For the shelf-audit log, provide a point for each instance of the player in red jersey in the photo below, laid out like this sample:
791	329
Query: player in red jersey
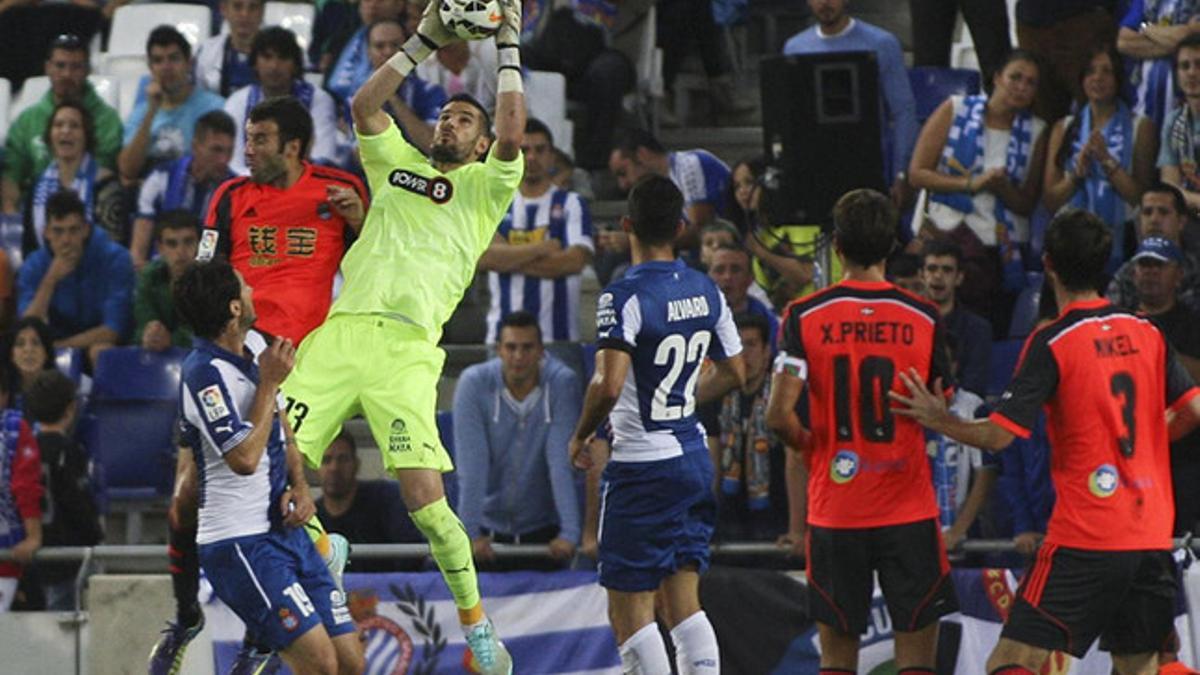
284	226
871	505
1105	377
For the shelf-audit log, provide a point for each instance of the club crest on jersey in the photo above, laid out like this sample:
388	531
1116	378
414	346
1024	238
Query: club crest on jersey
323	211
439	189
213	403
844	467
398	439
289	620
1104	481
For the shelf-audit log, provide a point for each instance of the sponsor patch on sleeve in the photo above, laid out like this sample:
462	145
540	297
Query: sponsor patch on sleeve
791	365
213	403
208	245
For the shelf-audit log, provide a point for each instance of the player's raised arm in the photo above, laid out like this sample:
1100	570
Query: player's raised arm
510	94
367	106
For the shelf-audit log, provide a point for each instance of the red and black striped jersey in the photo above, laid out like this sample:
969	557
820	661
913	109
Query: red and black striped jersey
1105	378
868	466
287	244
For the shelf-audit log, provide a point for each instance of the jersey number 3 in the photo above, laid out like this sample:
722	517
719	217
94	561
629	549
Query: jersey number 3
875	420
674	351
1121	386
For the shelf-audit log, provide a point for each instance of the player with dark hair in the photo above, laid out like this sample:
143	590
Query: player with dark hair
255	495
1105	376
284	228
656	326
377	352
871	506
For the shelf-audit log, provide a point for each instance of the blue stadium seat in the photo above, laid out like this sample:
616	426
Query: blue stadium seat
445	427
1004	361
931	86
133	411
1025	310
69	361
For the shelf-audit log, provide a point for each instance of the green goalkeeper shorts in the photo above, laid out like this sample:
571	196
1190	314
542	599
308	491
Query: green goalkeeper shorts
375	366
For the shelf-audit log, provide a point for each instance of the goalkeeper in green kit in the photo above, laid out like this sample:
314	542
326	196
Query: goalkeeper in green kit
376	354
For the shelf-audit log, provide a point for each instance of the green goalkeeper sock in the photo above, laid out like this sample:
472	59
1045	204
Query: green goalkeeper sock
451	548
316	531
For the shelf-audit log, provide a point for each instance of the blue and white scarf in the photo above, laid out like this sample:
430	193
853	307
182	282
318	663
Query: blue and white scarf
1098	194
48	183
963	155
352	67
12	527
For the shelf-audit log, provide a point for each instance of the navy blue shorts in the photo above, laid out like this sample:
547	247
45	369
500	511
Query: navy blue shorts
277	584
655	519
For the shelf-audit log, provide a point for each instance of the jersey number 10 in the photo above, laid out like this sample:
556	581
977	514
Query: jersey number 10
674	351
875	420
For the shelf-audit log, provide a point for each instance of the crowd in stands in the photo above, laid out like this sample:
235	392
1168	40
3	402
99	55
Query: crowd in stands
1096	107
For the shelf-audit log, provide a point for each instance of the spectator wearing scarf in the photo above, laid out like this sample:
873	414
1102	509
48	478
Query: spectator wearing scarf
187	183
751	462
223	61
278	65
71	138
979	158
1103	155
1177	154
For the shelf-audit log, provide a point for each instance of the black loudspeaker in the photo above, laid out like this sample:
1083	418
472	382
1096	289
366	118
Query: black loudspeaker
821	132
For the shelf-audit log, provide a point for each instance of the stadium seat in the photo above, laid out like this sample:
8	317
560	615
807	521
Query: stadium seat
931	86
36	87
445	428
132	24
639	43
124	65
107	88
1026	309
131	432
31	92
1004	361
297	17
130	85
5	102
69	361
546	96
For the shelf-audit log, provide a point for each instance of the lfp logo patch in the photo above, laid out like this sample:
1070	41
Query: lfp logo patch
1104	481
844	467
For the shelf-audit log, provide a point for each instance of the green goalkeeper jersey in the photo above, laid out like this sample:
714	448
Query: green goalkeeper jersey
424	232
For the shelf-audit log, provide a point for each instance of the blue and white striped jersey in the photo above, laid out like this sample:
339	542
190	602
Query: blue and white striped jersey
218	390
668	317
562	215
700	176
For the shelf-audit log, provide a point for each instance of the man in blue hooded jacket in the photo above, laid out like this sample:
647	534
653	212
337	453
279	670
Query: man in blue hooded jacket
513	418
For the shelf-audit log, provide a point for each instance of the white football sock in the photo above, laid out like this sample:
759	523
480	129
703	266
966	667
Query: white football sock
645	653
696	651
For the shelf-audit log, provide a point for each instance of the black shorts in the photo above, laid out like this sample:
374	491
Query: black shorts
910	560
1069	597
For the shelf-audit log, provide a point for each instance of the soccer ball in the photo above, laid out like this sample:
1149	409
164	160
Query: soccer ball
471	19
